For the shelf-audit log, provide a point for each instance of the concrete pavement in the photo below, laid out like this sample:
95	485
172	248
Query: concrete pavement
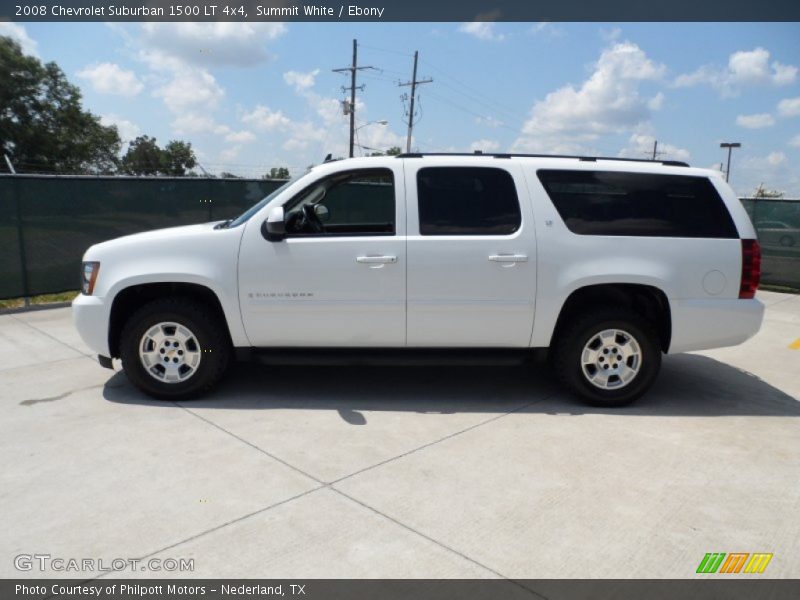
297	472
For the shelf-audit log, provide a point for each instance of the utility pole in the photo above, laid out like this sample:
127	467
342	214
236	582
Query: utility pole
352	69
656	153
730	146
413	83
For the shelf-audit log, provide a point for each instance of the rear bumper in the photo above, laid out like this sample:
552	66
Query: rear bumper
713	323
90	315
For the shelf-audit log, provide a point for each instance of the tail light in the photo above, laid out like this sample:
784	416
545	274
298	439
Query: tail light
751	268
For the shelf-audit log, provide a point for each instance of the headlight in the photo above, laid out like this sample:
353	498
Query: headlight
90	270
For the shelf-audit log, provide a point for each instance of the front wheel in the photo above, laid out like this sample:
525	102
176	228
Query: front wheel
608	357
174	349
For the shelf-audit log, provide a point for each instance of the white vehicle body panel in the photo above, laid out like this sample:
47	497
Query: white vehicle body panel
442	291
312	291
458	296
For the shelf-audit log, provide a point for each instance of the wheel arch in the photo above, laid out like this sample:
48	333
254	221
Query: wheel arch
130	298
648	301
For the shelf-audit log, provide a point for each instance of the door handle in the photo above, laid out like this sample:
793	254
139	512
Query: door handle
508	258
376	259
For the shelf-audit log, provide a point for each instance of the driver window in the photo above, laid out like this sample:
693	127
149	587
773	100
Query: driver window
349	203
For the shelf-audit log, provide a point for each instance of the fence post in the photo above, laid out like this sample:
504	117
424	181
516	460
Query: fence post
21	240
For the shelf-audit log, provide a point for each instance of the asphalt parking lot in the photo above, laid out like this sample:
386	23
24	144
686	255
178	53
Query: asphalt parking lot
446	472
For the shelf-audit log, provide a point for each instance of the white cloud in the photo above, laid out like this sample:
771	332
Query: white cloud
640	145
773	171
609	101
483	30
489	122
745	68
264	118
795	141
758	121
546	29
656	102
301	81
20	35
776	158
241	137
229	154
194	123
790	107
484	145
208	44
128	130
302	135
191	88
110	78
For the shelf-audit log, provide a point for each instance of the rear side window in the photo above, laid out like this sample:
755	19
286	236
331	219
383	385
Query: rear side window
638	204
467	201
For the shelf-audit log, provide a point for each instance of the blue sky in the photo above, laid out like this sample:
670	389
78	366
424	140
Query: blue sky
250	96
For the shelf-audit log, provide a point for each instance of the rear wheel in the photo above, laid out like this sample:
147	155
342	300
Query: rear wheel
174	349
609	357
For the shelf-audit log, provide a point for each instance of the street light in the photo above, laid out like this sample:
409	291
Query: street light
730	146
380	122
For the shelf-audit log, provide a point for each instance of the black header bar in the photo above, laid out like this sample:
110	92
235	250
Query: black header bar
398	10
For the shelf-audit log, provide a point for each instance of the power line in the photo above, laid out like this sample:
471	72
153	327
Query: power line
413	83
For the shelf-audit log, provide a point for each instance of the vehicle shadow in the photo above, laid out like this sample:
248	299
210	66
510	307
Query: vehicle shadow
689	385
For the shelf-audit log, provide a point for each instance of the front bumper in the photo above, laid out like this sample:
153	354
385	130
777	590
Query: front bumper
90	315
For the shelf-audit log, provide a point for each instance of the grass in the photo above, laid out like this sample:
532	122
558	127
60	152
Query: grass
767	287
43	299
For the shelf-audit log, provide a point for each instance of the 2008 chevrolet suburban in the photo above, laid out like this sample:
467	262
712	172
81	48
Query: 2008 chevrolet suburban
607	262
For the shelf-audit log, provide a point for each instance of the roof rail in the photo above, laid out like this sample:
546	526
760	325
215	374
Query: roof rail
668	163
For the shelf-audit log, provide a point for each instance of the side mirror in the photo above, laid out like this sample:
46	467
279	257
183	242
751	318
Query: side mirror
274	228
322	212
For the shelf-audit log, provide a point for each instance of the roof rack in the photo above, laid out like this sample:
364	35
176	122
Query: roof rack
667	163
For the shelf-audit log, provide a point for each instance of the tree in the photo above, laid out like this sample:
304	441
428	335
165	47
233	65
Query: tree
228	175
762	192
145	157
277	173
177	157
393	151
43	126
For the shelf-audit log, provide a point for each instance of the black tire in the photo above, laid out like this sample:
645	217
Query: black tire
579	332
787	241
211	337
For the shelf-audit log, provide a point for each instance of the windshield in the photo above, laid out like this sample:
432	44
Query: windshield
260	204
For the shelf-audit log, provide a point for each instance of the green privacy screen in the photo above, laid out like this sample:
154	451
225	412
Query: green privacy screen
777	223
47	223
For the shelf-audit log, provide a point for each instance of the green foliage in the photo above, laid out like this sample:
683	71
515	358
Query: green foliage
277	173
393	151
43	127
145	157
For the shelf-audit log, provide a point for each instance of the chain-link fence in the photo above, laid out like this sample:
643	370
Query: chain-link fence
47	222
777	222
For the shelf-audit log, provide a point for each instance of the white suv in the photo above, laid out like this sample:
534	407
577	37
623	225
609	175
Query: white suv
607	262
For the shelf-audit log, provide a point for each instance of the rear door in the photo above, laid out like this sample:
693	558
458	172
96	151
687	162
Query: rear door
471	255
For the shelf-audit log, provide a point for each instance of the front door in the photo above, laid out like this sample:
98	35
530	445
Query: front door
339	277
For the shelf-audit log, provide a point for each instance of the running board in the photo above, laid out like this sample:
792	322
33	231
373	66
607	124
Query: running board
389	356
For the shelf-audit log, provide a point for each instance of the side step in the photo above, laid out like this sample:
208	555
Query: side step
390	356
